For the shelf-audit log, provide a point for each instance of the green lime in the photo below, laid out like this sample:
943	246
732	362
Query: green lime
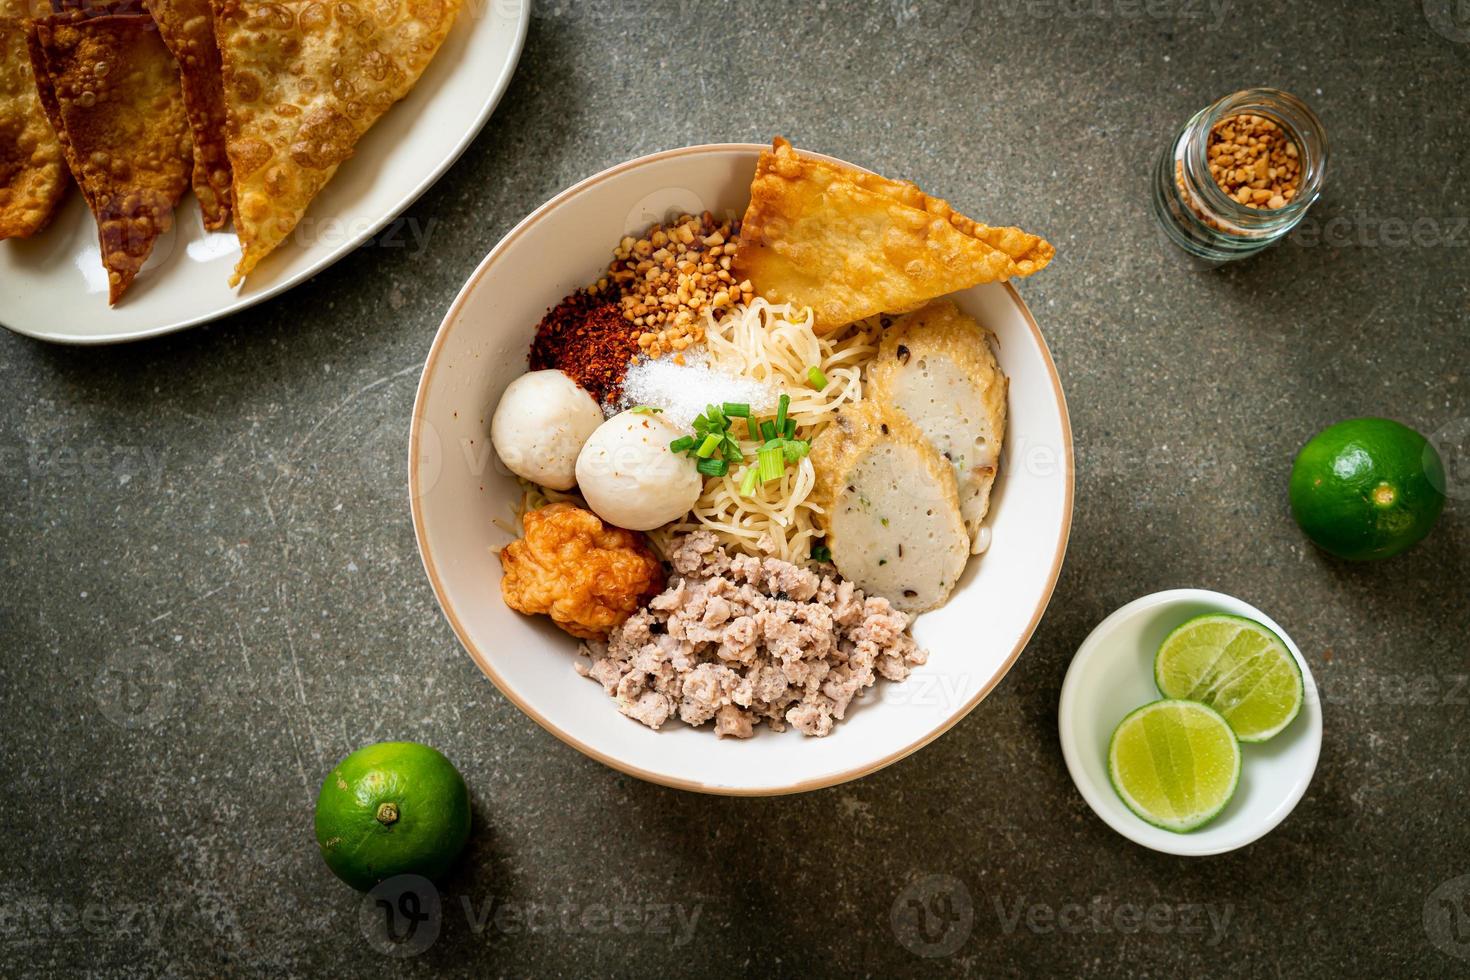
1236	666
1367	488
389	809
1175	763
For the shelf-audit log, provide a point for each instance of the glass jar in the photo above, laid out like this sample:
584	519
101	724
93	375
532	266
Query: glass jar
1199	216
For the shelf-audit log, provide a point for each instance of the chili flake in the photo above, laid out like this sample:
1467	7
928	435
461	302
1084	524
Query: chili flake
586	338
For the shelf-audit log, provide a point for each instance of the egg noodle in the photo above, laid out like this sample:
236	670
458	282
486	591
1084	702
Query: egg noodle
775	344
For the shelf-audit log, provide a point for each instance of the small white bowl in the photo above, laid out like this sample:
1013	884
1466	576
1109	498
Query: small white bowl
1113	673
458	490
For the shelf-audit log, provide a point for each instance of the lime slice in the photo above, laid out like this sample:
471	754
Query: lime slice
1175	763
1236	666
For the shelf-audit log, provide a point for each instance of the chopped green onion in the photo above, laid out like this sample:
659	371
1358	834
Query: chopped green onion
821	552
731	451
747	485
781	408
816	378
645	409
736	410
790	431
772	464
768	430
792	449
682	444
753	428
712	467
707	448
715	416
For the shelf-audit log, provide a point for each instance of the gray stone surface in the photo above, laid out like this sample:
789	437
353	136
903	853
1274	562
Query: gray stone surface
211	592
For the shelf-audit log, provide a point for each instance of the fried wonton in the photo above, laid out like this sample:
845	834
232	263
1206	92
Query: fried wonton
303	81
187	28
32	170
851	244
24	10
113	90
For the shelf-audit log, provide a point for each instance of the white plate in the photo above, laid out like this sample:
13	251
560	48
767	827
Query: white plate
53	286
1113	673
457	489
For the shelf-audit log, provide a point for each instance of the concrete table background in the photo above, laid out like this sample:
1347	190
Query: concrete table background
211	592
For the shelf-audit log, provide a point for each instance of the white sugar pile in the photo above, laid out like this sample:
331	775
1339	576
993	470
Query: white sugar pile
684	390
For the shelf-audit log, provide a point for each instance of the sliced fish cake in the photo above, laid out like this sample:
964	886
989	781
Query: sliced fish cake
935	366
892	508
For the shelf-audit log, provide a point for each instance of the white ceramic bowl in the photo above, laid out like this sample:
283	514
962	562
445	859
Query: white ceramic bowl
458	489
1113	673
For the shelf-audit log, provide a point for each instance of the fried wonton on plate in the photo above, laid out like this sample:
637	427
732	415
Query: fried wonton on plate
850	244
25	10
32	169
113	91
303	82
187	28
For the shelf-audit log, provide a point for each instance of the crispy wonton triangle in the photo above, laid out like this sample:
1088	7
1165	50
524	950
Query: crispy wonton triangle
113	90
187	28
32	171
851	244
303	81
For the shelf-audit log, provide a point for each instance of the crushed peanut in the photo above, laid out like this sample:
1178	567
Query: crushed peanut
666	280
1254	161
